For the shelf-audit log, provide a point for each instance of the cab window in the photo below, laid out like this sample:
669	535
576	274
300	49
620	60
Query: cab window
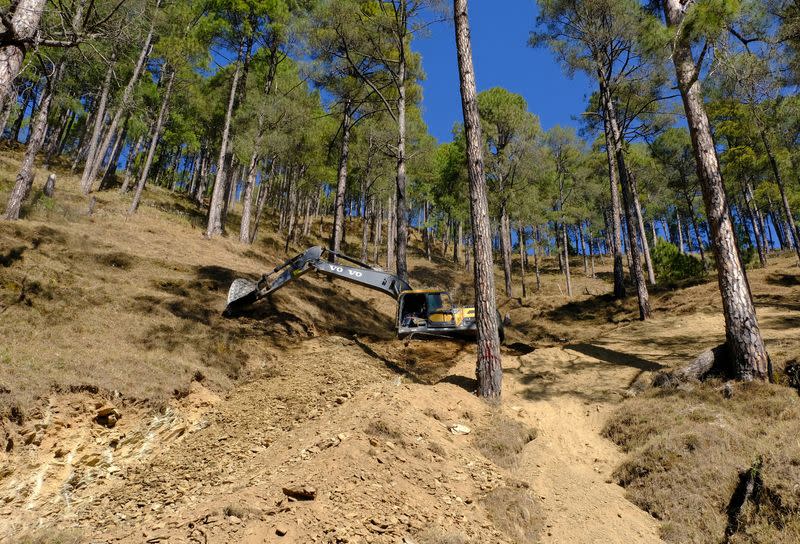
439	302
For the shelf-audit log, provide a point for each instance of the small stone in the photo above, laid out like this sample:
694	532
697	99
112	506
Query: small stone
234	520
281	529
301	493
459	429
106	410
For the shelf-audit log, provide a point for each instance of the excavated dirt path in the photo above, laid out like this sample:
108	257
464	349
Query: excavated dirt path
567	395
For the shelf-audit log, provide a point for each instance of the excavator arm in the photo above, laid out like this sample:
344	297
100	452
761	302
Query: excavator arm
244	292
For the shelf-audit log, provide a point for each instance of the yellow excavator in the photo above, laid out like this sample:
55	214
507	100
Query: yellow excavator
421	313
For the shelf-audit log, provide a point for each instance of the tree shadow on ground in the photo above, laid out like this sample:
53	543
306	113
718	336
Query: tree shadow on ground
603	307
470	385
615	357
784	280
11	256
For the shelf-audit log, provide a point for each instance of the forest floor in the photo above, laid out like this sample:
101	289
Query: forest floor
132	411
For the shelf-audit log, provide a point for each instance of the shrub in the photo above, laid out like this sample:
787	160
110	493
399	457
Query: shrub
672	265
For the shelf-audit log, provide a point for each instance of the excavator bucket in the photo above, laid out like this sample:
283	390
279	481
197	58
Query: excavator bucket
241	294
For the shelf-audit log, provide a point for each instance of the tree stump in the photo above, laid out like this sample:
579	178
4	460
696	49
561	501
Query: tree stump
50	186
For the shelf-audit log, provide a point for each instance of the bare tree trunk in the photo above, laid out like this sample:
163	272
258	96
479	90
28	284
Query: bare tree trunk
99	121
341	183
627	181
505	248
132	154
616	224
24	26
93	163
262	200
247	200
202	183
698	240
787	209
391	233
522	252
582	243
681	245
365	226
536	249
110	170
24	182
749	355
565	249
401	213
7	106
162	116
651	275
216	227
489	369
457	241
378	232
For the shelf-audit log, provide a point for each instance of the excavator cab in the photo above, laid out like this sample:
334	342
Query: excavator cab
431	312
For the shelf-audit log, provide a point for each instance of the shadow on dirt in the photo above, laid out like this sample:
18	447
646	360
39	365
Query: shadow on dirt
11	256
784	280
615	357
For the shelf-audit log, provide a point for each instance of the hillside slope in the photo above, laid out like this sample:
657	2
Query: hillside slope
220	425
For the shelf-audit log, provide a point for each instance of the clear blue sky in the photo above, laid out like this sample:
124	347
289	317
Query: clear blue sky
502	58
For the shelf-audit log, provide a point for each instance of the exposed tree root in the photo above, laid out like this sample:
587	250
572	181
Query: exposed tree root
710	362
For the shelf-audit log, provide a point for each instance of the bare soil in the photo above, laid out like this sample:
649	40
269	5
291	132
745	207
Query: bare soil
309	422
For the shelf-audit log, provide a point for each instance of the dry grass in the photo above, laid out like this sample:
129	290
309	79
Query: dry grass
501	439
437	536
52	536
514	511
688	447
383	428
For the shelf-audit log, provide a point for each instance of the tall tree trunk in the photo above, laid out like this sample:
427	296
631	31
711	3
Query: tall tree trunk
262	199
651	275
505	248
627	183
341	181
698	240
565	249
749	355
25	25
5	114
215	225
489	370
522	252
365	223
378	232
401	214
93	163
536	249
751	216
162	116
582	243
616	224
132	154
24	181
457	241
110	170
247	200
99	121
787	209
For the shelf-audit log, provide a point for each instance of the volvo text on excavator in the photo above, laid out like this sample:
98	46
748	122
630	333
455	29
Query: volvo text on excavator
421	313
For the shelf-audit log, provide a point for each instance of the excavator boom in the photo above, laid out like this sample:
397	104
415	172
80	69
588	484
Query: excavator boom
245	292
